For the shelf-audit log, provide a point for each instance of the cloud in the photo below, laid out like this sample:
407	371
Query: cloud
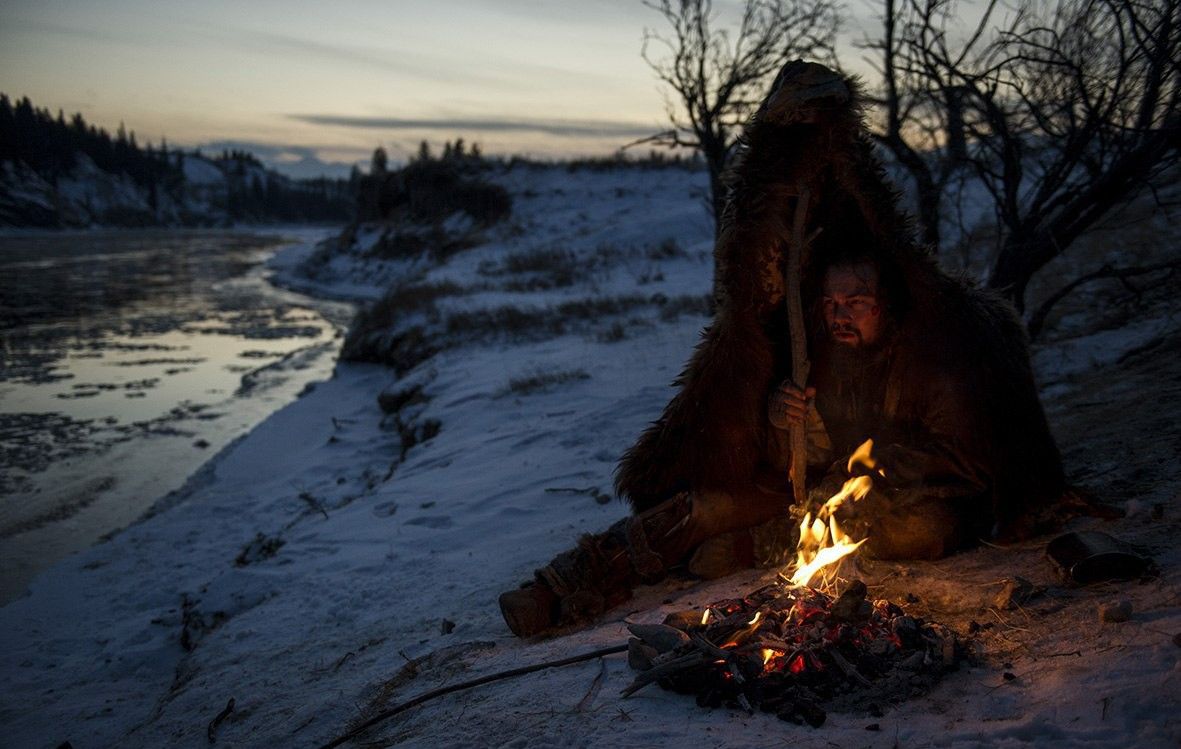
402	63
559	128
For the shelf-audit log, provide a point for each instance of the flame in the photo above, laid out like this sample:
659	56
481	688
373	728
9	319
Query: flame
758	615
768	654
825	543
863	457
705	618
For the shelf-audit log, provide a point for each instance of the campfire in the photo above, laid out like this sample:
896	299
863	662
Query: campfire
793	647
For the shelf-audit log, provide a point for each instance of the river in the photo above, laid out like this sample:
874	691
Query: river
128	359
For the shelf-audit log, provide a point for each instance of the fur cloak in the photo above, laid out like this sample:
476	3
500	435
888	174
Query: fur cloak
715	433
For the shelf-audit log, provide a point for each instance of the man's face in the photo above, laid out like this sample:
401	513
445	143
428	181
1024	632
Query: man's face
852	312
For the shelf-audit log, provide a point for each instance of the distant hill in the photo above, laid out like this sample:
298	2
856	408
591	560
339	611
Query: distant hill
59	173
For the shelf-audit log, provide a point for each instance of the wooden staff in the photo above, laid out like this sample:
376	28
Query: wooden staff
800	365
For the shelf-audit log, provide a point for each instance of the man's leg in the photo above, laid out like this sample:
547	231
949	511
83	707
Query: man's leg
927	527
600	573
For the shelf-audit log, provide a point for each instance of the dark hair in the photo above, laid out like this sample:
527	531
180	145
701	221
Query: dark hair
845	240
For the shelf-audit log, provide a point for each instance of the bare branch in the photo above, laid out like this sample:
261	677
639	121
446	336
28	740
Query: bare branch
717	75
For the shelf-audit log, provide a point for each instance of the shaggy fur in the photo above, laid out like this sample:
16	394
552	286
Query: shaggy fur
714	433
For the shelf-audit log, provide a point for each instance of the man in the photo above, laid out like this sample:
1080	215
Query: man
933	370
875	380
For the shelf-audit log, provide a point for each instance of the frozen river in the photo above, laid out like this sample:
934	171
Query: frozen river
127	359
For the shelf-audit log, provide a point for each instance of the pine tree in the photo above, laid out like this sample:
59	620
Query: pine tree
378	166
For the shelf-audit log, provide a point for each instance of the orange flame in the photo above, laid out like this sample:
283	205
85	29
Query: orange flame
822	543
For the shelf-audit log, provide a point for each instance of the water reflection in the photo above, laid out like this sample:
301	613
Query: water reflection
121	352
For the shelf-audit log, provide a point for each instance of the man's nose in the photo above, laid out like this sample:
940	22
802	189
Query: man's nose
842	312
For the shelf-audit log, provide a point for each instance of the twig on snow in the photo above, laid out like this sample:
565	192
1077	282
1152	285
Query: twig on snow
211	730
391	712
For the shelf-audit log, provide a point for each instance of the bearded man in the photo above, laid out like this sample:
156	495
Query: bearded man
934	371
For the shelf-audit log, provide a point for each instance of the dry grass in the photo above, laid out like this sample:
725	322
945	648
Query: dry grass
543	381
550	267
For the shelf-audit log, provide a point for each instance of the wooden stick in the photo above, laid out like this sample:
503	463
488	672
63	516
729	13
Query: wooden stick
800	365
680	663
389	713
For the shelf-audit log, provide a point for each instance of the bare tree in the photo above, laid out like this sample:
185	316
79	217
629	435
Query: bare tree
717	77
1061	110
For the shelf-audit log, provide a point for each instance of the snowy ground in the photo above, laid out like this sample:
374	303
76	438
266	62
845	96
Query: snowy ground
306	572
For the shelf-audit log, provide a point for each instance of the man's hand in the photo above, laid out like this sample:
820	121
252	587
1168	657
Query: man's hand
789	404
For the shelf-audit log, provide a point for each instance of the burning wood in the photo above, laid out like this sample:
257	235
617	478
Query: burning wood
788	649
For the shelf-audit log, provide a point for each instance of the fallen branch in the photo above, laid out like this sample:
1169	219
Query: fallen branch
658	672
403	706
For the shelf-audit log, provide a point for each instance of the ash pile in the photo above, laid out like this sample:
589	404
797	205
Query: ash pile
796	652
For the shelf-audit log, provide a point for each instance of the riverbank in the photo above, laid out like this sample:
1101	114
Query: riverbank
130	358
339	559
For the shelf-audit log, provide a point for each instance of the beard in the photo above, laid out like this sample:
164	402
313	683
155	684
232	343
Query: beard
849	358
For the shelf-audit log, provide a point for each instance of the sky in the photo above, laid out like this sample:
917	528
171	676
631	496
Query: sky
314	87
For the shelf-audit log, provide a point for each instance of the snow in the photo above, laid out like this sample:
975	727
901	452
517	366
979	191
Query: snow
202	171
379	548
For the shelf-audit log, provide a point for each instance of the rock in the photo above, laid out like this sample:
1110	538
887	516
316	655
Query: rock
1120	611
1015	591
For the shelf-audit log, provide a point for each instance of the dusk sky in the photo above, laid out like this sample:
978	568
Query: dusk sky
294	80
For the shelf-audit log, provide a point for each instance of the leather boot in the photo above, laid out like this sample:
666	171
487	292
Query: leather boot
579	585
771	544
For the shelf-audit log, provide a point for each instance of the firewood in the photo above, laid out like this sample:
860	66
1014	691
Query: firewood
785	649
847	667
665	669
639	654
660	636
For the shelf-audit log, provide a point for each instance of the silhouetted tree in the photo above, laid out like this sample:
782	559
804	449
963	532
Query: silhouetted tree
1062	111
718	76
378	165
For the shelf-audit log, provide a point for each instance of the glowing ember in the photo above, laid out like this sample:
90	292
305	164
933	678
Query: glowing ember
822	541
794	651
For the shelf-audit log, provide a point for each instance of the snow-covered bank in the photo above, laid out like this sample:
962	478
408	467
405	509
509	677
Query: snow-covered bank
130	357
307	568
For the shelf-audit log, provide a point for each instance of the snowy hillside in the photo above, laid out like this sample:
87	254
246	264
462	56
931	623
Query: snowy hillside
205	192
346	556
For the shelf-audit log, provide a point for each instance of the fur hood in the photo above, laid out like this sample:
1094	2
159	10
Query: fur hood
713	435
